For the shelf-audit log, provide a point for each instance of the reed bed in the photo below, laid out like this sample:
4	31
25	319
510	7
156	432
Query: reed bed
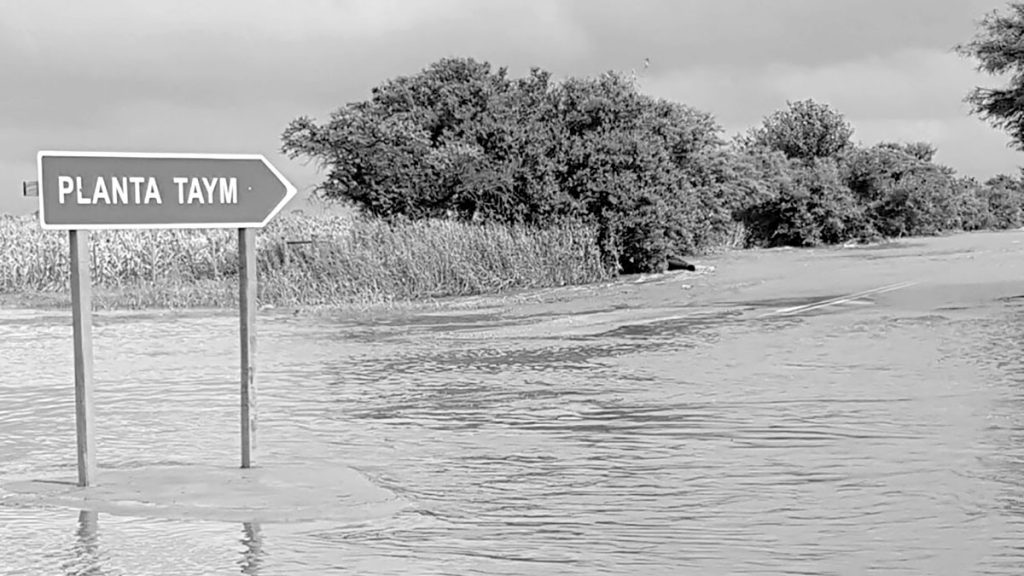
303	260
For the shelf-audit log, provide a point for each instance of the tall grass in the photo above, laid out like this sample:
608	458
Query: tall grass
302	260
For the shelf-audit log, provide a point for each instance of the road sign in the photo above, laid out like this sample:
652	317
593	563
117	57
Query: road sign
107	190
79	191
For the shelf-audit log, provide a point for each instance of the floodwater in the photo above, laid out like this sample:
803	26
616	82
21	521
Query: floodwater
842	411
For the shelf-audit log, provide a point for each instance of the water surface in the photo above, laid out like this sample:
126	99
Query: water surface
632	428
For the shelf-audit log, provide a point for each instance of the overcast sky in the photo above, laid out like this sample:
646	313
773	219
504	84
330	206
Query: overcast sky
228	75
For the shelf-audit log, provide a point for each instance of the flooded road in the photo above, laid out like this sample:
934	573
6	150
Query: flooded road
842	411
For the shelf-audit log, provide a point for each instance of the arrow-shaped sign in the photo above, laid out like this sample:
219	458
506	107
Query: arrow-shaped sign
104	190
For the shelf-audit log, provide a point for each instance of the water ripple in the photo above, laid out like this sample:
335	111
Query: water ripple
835	444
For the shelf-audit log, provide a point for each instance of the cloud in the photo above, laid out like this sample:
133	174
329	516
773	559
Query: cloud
45	22
76	63
908	83
750	34
910	95
229	75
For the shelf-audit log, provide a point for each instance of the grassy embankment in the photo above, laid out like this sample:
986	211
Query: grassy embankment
352	262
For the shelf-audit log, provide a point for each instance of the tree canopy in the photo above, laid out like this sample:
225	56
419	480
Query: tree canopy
998	47
459	138
805	130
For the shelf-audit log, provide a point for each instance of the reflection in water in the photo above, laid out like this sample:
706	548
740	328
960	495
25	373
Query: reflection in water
252	557
85	557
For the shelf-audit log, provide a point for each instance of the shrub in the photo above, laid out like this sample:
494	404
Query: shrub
805	130
808	206
1004	198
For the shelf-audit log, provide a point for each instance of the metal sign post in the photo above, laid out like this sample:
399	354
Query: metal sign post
82	191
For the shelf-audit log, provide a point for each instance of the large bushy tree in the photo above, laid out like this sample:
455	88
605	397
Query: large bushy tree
459	138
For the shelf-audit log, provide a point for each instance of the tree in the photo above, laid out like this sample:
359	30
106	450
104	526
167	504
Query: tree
923	151
871	173
460	138
1003	196
805	130
972	204
923	202
455	137
998	47
686	132
619	153
386	165
807	205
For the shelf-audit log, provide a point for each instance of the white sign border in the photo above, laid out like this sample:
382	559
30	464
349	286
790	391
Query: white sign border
290	190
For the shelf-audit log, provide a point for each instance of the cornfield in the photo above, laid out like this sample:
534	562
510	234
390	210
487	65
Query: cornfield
302	260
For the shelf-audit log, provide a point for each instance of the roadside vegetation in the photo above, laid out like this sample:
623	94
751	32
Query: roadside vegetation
465	180
654	178
337	260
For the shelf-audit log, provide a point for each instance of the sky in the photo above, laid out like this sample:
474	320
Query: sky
227	76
